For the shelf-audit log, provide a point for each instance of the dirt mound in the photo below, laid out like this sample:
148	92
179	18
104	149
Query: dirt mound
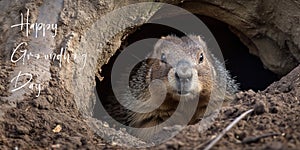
274	124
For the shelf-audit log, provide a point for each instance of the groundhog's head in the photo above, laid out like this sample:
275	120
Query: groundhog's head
183	64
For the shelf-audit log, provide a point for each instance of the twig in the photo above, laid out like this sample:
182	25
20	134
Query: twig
227	129
253	139
204	144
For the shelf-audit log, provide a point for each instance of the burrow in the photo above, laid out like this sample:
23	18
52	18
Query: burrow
239	51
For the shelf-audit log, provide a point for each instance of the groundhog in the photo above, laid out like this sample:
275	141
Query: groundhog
188	72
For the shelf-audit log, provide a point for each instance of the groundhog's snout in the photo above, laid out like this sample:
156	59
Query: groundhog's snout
183	76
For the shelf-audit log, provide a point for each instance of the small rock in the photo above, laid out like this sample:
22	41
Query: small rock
26	138
123	129
114	143
12	103
22	130
285	87
276	91
239	95
240	135
57	129
41	103
2	88
251	93
50	98
273	110
56	146
106	125
230	112
259	108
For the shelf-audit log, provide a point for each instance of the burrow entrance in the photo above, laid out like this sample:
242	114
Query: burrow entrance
244	67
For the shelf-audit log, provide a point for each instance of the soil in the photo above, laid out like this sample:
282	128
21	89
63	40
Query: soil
274	124
53	121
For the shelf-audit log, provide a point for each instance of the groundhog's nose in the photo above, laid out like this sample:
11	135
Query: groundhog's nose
183	71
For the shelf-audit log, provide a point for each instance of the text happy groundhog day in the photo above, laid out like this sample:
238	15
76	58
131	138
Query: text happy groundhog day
38	30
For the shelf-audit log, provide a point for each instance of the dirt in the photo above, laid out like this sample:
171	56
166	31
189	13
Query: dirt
53	121
273	125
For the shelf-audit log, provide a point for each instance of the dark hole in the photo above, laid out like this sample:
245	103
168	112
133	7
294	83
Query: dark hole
247	69
104	87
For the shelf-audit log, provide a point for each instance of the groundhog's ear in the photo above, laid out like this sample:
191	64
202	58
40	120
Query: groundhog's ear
159	44
166	41
201	42
199	38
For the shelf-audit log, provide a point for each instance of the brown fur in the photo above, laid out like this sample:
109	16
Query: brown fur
203	80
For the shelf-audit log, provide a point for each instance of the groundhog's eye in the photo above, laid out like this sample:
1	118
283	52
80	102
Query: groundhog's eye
163	58
201	58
